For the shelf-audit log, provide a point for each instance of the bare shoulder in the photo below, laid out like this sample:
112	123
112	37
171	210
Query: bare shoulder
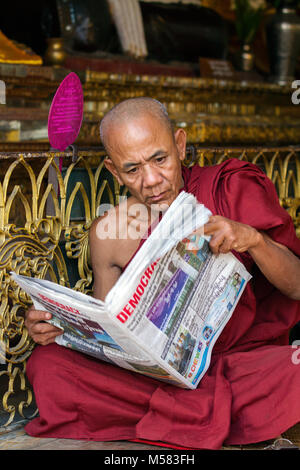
101	237
110	238
102	259
110	226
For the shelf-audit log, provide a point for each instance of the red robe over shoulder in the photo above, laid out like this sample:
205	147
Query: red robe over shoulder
250	392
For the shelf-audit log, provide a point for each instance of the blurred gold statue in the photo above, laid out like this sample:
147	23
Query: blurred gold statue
12	53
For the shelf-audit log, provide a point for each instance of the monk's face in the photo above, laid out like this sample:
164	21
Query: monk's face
146	157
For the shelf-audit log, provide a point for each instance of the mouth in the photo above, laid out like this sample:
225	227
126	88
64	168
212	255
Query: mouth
158	198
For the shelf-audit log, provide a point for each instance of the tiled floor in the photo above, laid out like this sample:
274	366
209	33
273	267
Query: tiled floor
15	438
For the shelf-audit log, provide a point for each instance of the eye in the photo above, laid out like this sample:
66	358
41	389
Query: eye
160	159
132	170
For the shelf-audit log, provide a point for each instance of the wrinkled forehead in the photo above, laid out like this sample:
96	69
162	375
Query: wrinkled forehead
137	131
128	122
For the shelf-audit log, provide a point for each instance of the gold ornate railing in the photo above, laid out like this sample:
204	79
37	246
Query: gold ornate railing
47	203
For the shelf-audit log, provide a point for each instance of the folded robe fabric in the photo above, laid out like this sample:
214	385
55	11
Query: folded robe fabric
250	392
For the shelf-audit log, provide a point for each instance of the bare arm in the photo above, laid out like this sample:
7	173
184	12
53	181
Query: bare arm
279	265
102	255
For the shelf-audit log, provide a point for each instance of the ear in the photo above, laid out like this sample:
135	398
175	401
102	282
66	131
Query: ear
111	167
180	141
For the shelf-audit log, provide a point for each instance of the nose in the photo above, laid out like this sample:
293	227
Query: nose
151	176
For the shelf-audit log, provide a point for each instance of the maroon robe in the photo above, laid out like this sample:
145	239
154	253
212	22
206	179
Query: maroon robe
250	392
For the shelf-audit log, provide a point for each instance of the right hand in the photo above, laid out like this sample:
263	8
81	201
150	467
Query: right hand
41	332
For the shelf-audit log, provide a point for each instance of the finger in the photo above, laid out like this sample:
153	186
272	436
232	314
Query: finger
228	244
211	227
215	242
46	328
214	218
34	315
216	221
43	339
225	247
208	229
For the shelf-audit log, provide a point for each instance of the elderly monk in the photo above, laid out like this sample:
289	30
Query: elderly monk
250	392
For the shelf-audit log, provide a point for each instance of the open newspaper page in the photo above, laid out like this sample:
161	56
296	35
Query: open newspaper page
85	323
165	312
180	306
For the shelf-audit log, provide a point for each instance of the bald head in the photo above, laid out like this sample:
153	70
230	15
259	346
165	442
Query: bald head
133	109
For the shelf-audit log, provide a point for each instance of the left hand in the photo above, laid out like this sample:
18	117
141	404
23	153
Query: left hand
41	332
227	235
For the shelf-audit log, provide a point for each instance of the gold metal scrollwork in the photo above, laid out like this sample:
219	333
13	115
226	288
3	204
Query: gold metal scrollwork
37	238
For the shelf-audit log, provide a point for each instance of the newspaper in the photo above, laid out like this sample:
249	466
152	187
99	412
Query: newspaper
165	312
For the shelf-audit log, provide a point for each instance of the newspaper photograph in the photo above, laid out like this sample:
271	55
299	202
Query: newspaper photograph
181	305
